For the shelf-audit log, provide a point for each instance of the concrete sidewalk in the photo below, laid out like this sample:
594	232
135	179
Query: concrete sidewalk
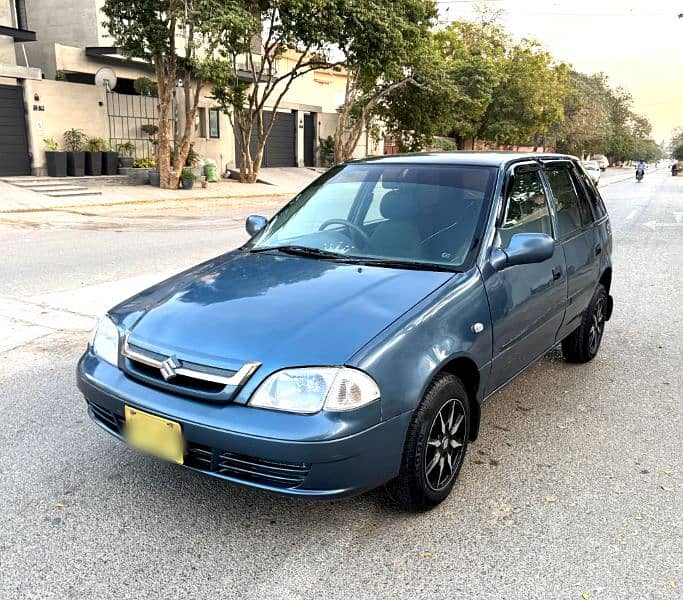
17	199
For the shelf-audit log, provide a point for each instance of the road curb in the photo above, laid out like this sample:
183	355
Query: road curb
144	201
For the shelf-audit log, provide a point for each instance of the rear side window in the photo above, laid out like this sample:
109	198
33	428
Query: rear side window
592	194
527	208
572	212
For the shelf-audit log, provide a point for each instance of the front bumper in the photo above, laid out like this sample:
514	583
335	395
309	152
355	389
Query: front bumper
324	455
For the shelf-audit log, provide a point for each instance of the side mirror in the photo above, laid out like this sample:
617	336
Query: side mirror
523	249
255	224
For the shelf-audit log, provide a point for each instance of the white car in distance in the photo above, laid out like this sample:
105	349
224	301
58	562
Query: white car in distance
593	169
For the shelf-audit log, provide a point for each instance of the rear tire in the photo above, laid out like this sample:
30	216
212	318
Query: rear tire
435	446
583	344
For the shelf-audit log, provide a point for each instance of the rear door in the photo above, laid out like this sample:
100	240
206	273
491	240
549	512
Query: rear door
578	239
527	302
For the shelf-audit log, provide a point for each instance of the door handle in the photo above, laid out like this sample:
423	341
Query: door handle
557	273
598	250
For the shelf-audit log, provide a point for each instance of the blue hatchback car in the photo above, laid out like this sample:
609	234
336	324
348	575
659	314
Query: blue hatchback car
352	341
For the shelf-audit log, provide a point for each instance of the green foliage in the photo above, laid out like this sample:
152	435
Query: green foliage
443	145
326	151
144	163
188	174
150	29
476	81
126	148
150	130
145	86
678	152
192	157
96	144
51	144
74	139
60	75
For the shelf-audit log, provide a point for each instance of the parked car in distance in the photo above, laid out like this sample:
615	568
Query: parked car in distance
352	341
593	169
602	161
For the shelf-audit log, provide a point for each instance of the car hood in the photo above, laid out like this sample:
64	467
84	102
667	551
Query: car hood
272	308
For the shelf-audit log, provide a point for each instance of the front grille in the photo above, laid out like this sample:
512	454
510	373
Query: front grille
222	462
147	373
182	376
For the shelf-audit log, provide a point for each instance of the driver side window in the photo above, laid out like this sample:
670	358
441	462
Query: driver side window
526	209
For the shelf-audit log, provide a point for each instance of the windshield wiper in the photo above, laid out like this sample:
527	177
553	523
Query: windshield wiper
395	263
301	251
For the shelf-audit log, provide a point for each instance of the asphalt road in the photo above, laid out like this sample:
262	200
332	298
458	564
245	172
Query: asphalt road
573	489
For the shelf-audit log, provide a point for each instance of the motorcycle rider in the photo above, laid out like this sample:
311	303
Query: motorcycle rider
640	169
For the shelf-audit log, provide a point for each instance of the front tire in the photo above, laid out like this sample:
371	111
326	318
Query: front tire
435	446
583	344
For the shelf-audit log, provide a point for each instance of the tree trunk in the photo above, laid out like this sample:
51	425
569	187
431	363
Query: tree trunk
163	158
183	147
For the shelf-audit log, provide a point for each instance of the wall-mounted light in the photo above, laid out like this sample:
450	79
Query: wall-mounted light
36	97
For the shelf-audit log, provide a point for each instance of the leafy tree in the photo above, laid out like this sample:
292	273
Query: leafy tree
179	38
586	127
457	70
287	39
379	41
529	99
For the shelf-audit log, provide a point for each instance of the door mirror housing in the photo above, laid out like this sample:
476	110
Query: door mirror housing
255	224
523	249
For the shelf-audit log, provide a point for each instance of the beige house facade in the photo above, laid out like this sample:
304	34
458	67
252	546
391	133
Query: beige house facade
70	46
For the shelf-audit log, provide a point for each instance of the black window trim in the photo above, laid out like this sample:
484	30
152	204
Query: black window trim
568	164
525	167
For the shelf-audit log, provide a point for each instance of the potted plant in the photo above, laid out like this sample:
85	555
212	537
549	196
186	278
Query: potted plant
187	178
110	160
74	139
152	132
93	156
139	173
56	159
126	151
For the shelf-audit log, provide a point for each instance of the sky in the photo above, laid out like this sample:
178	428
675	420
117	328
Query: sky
637	44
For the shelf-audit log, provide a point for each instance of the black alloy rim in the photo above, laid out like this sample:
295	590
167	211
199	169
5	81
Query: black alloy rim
445	444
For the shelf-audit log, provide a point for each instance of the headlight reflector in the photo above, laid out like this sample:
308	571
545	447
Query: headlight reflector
104	341
311	389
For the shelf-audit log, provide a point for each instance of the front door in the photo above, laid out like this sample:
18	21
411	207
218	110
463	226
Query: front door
527	301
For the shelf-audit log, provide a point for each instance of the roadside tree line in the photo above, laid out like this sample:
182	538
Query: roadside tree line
468	81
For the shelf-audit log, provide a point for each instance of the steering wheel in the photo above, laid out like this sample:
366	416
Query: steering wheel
364	236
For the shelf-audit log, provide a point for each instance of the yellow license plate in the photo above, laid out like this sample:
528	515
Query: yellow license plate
154	435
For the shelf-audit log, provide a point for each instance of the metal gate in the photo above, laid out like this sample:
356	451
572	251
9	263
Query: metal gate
14	155
280	148
127	114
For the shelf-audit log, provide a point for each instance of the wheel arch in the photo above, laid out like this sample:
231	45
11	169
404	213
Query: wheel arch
467	371
606	281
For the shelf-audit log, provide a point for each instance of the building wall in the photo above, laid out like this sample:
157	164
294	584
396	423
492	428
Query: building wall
55	106
69	22
7	55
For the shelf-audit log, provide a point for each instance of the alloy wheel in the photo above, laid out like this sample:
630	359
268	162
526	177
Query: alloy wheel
445	444
597	326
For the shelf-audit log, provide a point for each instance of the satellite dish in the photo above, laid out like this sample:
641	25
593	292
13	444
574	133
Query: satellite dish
105	77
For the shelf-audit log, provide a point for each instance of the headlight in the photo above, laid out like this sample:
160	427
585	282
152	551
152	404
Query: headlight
104	341
311	389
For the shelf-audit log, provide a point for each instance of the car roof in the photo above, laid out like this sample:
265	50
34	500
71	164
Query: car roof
490	159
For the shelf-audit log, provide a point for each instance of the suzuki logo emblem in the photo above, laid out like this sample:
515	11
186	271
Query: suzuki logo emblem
169	368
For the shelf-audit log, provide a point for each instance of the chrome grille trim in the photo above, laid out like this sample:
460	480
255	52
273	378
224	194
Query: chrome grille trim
237	379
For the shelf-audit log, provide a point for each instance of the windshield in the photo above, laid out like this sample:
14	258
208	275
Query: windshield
387	212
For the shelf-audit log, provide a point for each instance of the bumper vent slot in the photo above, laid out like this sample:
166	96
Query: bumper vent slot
221	462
